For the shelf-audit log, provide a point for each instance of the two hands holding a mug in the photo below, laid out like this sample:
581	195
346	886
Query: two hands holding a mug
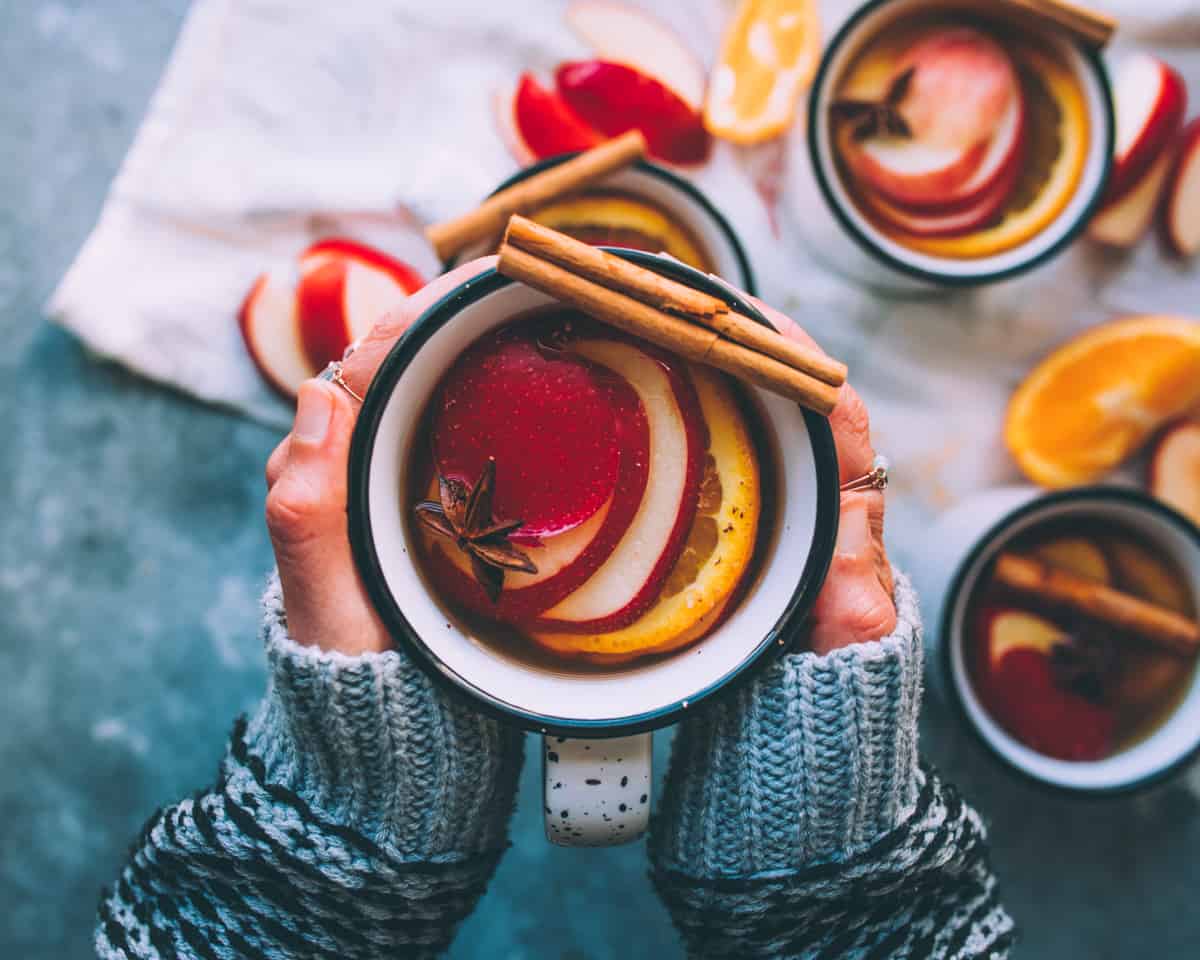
326	604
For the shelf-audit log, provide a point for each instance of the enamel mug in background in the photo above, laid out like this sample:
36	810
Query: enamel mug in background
595	723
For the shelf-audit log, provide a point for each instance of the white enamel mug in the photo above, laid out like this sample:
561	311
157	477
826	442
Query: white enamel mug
595	722
963	543
820	210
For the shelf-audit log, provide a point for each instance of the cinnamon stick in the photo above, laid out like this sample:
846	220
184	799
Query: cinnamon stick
488	219
670	296
689	340
1156	625
1094	28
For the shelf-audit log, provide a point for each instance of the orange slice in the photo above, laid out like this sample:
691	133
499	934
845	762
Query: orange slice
618	220
1095	399
1056	152
768	58
718	551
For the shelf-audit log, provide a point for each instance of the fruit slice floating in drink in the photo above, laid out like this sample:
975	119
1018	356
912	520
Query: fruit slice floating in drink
634	477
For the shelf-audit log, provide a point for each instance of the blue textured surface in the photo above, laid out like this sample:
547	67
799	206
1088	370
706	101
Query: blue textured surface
132	555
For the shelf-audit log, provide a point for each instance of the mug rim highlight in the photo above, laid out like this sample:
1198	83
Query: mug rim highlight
667	176
363	548
1098	493
949	280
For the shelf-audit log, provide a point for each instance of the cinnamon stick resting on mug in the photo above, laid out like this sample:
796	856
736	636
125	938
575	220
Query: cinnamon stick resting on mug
689	322
1154	624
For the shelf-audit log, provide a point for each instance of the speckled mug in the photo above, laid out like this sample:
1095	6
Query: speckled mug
597	746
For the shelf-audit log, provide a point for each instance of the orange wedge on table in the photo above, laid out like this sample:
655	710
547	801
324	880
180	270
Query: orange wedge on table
1097	398
768	58
716	555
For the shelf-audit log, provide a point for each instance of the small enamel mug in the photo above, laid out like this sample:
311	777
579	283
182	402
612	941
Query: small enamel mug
964	542
673	195
595	724
828	222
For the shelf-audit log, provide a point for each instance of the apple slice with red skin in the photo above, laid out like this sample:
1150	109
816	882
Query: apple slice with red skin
1181	201
1122	223
340	299
537	123
1149	103
625	34
955	222
613	98
345	248
630	580
269	323
1175	468
564	561
1020	689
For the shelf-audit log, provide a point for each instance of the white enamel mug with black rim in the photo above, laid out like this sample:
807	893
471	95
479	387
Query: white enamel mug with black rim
962	545
671	193
595	724
833	226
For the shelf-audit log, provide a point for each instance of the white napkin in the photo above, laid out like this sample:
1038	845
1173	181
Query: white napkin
279	121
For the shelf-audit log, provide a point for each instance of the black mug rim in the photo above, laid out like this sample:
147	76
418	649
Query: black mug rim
871	248
1098	493
362	541
662	173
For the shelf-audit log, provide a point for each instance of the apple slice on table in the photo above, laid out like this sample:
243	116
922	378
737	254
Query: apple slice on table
1122	223
1149	102
631	579
1181	206
270	327
1175	468
344	248
614	97
1077	555
537	123
340	298
624	34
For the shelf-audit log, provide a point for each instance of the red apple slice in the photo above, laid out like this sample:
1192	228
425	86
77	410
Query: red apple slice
340	300
613	98
270	328
632	577
1175	468
623	34
955	222
544	416
1011	629
1120	224
536	123
962	84
1149	101
564	562
1181	209
345	248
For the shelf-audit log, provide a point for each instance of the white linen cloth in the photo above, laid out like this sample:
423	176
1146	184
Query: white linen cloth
278	121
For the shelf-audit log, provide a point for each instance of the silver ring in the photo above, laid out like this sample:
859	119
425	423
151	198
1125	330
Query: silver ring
876	479
333	373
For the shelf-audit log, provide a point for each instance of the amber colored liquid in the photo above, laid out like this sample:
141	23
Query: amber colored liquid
508	641
1142	684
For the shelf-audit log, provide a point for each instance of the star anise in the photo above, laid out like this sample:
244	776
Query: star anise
1086	662
873	117
465	516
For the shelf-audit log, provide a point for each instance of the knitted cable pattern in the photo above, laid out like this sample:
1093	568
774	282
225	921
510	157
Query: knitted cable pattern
358	814
797	820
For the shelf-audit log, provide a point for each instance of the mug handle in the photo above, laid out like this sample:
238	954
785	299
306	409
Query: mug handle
596	793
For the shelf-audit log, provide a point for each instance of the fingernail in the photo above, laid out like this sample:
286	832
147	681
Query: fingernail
314	412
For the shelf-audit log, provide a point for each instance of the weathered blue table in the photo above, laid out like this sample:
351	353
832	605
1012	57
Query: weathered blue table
133	549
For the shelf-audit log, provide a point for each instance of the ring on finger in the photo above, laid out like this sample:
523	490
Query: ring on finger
875	479
333	373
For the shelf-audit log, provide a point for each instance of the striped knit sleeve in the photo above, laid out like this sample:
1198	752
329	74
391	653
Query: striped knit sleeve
797	820
359	813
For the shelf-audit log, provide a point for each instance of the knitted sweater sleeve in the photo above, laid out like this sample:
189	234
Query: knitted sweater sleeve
797	820
357	814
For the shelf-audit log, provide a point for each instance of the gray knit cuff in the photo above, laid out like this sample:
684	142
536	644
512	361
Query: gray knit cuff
373	744
811	761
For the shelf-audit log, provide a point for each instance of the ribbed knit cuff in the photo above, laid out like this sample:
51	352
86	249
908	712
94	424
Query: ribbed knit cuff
369	741
810	762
